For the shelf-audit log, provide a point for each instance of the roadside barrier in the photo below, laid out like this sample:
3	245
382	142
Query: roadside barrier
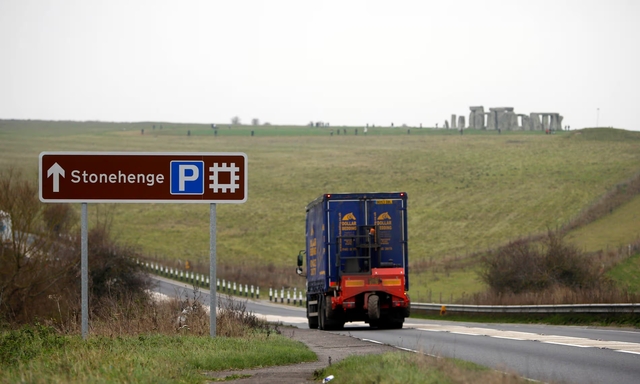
528	309
293	296
298	298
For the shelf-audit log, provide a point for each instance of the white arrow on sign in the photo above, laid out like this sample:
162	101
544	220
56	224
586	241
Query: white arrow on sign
56	170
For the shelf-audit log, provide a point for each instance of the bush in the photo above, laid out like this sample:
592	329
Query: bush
527	266
40	266
36	265
113	271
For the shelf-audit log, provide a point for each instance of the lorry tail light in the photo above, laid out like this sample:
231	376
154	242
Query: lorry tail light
399	303
348	304
391	282
333	284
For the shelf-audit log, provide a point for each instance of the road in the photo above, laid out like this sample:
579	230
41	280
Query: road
568	354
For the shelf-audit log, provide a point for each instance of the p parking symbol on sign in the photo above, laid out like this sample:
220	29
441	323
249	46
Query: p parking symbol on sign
187	177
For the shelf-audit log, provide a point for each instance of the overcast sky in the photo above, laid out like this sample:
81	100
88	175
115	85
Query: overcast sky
344	62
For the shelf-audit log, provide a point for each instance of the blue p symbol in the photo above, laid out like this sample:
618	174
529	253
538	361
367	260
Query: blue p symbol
187	177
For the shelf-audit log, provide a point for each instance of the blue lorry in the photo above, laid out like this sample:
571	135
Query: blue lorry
356	260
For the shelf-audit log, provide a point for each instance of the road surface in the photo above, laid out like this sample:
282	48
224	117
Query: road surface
571	354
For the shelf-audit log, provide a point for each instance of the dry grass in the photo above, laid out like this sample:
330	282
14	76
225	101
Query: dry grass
182	314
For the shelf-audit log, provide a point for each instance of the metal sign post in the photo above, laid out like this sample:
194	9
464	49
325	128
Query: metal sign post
84	270
143	177
213	297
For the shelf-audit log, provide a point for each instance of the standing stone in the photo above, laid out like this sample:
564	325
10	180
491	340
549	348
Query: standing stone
446	124
545	122
453	121
476	117
505	121
461	122
552	121
536	124
492	119
514	121
526	123
502	118
559	121
555	123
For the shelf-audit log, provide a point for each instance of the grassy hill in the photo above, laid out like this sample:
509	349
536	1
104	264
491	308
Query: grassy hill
466	192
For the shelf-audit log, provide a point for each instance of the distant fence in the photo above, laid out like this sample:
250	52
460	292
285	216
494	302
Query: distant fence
283	296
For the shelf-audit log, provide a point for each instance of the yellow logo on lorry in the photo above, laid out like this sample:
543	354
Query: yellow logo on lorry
349	216
348	222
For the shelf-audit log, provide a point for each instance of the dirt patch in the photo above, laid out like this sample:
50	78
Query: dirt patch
329	347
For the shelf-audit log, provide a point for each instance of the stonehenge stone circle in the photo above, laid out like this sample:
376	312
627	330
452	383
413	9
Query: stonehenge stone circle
505	119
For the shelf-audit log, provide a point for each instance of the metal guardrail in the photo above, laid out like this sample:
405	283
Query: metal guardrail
548	309
230	288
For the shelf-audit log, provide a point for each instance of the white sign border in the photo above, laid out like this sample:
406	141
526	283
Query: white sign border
144	201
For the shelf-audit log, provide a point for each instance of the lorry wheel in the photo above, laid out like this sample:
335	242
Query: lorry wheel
322	317
373	307
313	321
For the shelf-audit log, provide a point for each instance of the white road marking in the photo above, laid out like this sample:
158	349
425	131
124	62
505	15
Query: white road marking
284	319
618	346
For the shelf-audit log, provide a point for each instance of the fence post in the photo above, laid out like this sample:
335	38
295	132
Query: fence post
252	291
270	294
282	296
258	292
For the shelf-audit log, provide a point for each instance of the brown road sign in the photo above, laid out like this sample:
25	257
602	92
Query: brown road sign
143	177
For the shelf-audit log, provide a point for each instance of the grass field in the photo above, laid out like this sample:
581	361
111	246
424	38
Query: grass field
40	355
402	367
466	193
612	231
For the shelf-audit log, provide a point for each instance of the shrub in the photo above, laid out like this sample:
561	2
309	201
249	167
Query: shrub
40	266
113	271
528	266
